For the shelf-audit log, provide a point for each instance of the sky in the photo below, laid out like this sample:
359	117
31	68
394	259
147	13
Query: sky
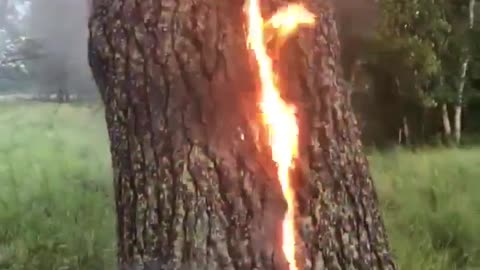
22	8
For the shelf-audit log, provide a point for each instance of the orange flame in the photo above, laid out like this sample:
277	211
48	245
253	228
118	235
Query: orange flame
289	18
278	116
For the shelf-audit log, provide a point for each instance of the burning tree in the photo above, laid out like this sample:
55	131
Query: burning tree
233	146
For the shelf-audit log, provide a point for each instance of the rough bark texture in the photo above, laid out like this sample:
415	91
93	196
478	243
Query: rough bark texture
194	183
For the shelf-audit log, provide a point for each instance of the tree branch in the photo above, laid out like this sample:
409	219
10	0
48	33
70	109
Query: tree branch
20	58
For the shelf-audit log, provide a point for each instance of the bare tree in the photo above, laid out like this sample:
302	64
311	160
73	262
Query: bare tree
195	185
463	76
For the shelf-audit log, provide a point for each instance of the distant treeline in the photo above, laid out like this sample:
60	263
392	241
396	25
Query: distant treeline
413	68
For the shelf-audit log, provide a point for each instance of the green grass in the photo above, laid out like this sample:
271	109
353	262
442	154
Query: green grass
56	208
431	206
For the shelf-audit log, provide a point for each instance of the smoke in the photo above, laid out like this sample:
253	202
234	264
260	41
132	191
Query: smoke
356	23
61	27
357	18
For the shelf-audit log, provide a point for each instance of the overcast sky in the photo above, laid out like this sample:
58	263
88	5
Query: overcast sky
22	8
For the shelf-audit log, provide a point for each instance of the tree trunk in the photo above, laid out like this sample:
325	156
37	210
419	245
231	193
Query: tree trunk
355	69
459	104
400	136
406	130
447	128
463	76
60	95
195	186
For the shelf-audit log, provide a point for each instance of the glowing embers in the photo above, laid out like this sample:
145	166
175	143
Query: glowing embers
278	116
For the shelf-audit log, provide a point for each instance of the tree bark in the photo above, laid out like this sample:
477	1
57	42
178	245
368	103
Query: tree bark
195	186
459	103
406	131
463	77
447	128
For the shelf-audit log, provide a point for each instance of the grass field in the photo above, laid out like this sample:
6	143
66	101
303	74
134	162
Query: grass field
56	207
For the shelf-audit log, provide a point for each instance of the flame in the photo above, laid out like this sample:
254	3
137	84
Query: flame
287	20
278	116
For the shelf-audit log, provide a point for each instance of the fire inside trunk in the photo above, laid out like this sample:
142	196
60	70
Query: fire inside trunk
197	184
278	116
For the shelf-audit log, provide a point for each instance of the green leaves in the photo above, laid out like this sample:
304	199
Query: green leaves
427	40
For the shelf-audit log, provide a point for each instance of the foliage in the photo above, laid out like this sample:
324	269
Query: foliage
15	47
417	34
9	56
35	47
414	63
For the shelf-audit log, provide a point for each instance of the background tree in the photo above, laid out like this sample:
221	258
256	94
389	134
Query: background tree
15	48
406	35
468	26
64	69
44	54
427	41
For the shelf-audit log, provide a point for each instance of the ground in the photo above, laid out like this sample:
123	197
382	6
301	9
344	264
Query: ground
56	206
